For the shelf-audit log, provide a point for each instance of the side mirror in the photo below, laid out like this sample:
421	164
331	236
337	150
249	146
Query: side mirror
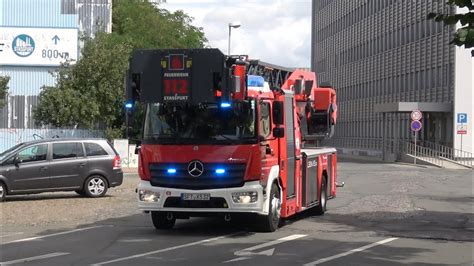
138	147
17	161
279	132
277	113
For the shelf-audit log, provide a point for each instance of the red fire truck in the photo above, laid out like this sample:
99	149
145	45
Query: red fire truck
225	135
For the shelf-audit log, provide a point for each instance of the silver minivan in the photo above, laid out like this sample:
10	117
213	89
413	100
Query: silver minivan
87	166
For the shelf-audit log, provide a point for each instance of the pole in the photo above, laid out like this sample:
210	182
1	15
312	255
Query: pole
384	117
228	47
416	134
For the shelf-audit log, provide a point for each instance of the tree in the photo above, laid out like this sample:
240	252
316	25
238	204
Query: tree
3	90
90	93
465	34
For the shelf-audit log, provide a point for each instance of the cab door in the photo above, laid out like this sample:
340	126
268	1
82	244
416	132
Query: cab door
268	143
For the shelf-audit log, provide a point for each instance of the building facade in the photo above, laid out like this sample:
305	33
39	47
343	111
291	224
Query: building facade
36	36
386	59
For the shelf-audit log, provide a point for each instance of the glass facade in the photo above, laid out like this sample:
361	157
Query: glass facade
379	52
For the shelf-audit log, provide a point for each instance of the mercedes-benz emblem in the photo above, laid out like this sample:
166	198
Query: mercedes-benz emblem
195	168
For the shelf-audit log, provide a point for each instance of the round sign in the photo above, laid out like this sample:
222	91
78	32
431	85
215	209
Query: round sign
416	125
416	115
23	45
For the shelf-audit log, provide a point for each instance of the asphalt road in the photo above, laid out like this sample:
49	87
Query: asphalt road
387	214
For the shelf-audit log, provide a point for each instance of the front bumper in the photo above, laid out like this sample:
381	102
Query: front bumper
224	193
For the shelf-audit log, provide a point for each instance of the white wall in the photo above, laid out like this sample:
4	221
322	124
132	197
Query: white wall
464	95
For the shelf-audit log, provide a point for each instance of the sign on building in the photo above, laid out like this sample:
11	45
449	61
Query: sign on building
462	118
38	46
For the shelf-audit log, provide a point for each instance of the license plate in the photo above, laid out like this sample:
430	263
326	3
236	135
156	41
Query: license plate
196	196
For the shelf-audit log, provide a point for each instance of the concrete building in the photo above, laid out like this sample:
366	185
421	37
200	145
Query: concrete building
385	59
35	37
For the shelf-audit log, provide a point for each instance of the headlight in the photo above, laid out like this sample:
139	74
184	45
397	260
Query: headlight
148	196
245	197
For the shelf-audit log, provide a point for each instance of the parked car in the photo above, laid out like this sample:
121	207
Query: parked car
87	166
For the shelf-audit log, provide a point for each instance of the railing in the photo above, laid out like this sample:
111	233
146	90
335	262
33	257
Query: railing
425	154
431	152
459	156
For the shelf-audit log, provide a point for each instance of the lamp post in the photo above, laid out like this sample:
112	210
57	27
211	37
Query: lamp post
235	25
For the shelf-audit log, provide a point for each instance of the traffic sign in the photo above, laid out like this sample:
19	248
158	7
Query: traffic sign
462	132
462	118
416	125
416	115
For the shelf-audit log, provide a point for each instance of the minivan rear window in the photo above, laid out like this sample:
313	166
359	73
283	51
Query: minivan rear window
67	150
93	149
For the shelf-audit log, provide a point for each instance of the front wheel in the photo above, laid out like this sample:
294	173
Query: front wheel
163	220
3	192
270	222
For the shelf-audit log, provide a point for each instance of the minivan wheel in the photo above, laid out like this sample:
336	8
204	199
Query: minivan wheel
95	186
3	192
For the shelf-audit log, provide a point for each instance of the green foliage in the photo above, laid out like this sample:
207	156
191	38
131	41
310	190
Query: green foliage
90	94
464	36
3	90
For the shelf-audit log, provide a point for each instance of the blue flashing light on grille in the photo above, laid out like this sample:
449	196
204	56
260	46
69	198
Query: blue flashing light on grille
220	171
255	81
171	171
128	105
225	105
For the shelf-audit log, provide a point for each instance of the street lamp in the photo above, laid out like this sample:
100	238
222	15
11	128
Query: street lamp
235	25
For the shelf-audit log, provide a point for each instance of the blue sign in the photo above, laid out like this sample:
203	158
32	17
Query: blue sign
416	125
462	118
23	45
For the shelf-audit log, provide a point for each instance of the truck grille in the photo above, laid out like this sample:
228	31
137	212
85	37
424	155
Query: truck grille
233	176
177	202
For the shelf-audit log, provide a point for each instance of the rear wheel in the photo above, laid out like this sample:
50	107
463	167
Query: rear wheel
163	220
95	186
3	192
323	198
270	222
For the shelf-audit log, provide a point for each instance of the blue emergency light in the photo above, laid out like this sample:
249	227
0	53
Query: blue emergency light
220	171
225	105
255	81
171	171
128	105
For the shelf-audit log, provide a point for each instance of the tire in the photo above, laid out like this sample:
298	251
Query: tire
161	221
323	199
95	186
270	222
3	192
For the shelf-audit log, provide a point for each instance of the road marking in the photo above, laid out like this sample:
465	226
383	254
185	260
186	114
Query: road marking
248	251
12	234
245	253
166	249
50	235
134	240
41	257
381	242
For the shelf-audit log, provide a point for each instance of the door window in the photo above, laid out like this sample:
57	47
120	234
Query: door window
67	150
33	153
264	121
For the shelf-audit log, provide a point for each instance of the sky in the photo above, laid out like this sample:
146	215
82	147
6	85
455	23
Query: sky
274	31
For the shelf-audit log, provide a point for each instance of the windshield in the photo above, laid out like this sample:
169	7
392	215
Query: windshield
7	152
201	124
